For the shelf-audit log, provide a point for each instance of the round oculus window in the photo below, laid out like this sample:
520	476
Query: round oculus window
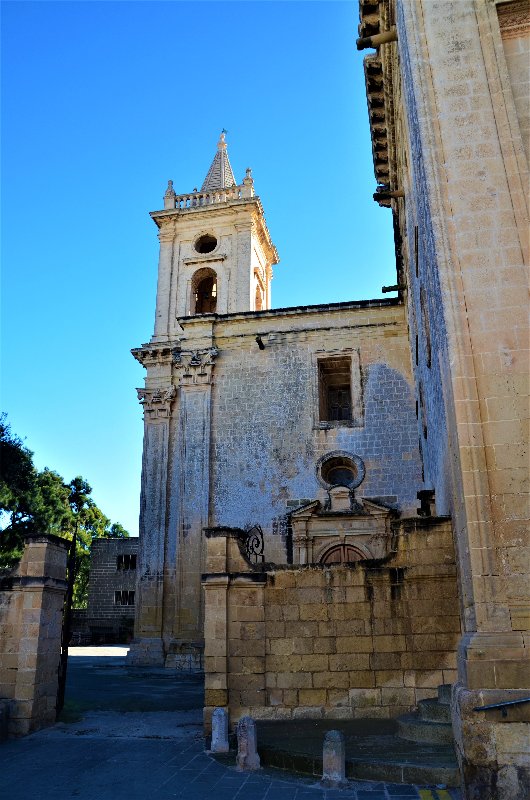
206	243
342	470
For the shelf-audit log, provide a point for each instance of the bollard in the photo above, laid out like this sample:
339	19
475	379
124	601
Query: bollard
220	731
247	749
334	760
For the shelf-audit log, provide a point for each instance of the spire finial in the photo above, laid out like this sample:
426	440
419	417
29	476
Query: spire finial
169	196
220	175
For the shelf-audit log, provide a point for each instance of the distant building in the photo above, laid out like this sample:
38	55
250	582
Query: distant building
112	589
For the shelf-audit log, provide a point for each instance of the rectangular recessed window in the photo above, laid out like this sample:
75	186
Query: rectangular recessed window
124	598
126	561
334	388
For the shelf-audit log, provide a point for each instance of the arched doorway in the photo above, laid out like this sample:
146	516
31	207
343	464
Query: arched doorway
340	554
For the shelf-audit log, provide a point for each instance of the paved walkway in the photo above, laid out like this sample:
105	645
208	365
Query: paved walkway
143	741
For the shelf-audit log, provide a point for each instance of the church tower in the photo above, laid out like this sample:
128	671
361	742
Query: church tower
216	254
216	259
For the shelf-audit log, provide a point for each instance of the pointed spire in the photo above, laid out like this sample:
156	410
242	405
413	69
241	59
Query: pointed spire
220	175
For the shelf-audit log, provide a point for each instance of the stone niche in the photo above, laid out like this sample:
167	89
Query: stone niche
341	529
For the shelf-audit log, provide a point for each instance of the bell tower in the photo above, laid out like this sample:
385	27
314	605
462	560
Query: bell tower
216	257
216	254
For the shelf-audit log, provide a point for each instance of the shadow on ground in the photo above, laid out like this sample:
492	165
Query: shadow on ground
104	683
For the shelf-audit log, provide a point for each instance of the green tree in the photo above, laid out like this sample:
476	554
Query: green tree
41	502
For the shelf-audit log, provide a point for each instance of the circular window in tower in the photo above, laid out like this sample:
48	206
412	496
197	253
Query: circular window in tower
340	469
206	243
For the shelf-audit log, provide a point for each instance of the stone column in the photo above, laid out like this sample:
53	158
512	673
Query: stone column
166	237
148	645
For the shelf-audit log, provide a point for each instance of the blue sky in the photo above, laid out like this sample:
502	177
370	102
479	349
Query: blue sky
102	102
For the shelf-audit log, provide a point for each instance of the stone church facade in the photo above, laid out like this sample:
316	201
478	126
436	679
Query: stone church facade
284	449
253	413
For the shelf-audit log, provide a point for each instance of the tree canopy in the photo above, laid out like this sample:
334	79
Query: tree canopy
33	501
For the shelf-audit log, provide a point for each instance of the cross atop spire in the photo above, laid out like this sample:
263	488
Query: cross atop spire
220	175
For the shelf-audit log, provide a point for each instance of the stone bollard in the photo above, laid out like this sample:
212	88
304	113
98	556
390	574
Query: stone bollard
247	749
220	731
334	760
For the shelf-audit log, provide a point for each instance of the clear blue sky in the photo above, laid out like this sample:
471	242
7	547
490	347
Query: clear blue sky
102	103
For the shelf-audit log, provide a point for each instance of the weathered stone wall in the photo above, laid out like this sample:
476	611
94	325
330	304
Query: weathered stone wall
363	640
258	475
233	437
31	612
456	102
105	617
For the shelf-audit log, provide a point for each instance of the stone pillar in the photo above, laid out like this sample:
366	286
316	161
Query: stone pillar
247	745
220	731
166	237
32	601
190	504
148	645
215	645
334	759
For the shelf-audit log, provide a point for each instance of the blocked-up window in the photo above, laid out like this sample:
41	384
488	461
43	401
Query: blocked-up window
126	561
334	386
124	598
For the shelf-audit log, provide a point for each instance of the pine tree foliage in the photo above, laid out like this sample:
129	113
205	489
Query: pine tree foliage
33	501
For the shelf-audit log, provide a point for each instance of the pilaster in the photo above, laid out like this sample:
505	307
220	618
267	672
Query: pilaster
166	237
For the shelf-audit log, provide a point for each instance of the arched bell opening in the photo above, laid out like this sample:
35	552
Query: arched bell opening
204	292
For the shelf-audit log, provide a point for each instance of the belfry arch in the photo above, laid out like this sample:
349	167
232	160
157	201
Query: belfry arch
204	292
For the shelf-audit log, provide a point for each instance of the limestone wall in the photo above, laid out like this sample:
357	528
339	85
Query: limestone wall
455	91
364	640
233	437
258	476
31	612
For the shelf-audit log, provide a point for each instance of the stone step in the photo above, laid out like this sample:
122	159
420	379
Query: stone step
373	751
433	711
414	729
444	693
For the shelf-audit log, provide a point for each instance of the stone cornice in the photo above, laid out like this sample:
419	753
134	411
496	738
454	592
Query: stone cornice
161	218
149	355
376	17
189	368
514	18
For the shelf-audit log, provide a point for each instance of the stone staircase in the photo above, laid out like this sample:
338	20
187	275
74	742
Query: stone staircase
416	748
431	723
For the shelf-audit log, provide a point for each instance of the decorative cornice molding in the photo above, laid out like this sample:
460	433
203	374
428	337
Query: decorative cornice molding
153	355
157	402
514	19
